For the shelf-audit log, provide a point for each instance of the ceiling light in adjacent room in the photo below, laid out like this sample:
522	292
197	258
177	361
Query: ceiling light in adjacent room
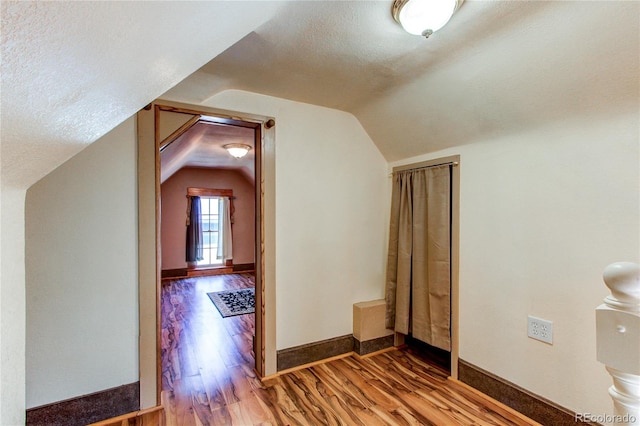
237	150
423	17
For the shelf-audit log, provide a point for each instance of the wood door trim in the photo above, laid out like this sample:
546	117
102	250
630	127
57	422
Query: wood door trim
157	141
226	119
211	117
173	136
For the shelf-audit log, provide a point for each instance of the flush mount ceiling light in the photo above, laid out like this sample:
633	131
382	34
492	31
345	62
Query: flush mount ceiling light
423	17
237	150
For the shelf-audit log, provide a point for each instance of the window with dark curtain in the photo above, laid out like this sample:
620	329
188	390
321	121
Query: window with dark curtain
194	251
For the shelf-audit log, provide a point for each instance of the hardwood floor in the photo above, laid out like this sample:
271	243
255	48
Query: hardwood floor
208	377
205	357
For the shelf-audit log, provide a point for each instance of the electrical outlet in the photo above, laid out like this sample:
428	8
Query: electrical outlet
540	329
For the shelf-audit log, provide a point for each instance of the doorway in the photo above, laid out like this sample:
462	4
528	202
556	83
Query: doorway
164	121
199	177
426	240
195	164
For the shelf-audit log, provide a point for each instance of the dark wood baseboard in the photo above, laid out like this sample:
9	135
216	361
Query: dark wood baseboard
324	349
244	267
184	272
373	345
311	352
174	273
208	272
533	406
87	408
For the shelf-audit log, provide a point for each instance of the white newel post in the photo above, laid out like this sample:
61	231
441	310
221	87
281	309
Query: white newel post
618	339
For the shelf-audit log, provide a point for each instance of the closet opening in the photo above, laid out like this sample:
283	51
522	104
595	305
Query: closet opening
422	271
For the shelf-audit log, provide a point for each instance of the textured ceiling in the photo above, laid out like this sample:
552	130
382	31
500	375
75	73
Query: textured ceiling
202	146
497	67
71	71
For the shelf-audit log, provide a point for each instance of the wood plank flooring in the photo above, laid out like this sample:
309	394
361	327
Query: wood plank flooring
208	377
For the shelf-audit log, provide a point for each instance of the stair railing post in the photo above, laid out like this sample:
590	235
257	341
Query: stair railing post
618	339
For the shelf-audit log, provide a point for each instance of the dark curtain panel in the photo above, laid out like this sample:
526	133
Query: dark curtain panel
194	230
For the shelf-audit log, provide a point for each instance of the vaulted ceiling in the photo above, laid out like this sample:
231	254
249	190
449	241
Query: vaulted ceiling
71	71
202	145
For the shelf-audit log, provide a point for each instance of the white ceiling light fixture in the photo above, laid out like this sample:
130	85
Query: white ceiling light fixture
237	150
423	17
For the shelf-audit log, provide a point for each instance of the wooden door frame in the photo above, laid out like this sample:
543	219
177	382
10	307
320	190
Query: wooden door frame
149	250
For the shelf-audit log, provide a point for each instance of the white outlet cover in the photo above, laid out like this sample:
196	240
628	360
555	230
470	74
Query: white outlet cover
540	329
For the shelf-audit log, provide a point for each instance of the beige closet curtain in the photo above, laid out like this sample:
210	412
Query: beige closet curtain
418	288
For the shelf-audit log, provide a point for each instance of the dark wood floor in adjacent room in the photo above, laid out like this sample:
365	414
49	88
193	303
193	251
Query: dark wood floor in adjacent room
208	377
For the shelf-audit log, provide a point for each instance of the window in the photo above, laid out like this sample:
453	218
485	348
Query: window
210	217
215	219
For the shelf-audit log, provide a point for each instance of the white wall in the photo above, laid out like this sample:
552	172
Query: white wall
332	202
541	214
81	281
12	306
